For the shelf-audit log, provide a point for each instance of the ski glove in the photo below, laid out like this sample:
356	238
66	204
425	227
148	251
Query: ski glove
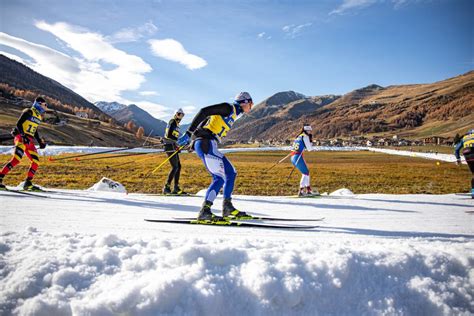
184	140
42	144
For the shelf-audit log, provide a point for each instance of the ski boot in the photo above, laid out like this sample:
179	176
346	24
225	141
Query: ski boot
205	215
230	212
472	193
2	186
178	191
29	186
302	192
311	192
166	189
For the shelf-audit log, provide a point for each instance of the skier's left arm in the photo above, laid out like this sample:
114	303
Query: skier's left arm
307	143
40	141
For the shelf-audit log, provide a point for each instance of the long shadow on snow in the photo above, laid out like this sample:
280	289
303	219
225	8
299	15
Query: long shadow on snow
416	202
329	206
396	234
136	203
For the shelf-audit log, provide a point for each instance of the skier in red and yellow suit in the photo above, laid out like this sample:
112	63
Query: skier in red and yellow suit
24	134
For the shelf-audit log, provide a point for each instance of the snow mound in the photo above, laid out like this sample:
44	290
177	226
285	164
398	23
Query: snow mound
342	192
108	185
83	274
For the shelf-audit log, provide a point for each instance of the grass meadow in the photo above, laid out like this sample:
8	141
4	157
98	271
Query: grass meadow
361	172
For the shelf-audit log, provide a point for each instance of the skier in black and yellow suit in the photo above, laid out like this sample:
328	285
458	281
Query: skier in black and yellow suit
170	138
208	127
467	146
26	129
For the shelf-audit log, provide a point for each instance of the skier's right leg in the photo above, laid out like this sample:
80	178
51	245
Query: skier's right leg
33	156
18	153
299	162
174	161
214	164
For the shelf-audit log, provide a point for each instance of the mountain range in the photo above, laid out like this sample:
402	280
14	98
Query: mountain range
442	108
125	113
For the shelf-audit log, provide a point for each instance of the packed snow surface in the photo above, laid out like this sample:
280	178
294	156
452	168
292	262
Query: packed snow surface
92	253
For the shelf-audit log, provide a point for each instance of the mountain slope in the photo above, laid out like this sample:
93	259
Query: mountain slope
76	131
125	113
443	109
20	76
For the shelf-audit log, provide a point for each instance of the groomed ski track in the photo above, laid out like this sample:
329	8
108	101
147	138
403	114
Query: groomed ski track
86	252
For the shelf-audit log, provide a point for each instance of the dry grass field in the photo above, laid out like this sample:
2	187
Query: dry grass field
361	172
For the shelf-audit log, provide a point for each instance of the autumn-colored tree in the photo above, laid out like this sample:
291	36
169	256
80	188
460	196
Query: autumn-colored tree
130	126
140	132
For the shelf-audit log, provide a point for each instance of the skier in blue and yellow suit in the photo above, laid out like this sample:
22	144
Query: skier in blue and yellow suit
302	142
24	133
467	146
208	127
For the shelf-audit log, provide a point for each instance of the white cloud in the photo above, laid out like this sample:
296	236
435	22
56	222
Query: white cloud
133	34
148	93
352	5
84	73
293	31
44	60
14	57
189	109
263	35
173	50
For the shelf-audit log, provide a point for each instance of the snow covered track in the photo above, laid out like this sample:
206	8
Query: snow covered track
91	253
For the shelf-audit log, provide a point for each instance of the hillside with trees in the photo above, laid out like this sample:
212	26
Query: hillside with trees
420	110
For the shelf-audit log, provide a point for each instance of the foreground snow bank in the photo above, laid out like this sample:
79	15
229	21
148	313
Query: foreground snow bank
89	274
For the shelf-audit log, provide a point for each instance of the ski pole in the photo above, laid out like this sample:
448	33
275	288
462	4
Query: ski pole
129	162
161	164
114	156
280	161
91	154
143	145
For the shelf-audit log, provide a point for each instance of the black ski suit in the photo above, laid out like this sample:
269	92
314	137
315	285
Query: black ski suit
171	136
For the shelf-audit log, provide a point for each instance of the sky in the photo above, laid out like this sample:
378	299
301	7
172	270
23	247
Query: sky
163	55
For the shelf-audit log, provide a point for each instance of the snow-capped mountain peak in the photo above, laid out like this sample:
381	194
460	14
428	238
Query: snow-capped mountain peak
110	107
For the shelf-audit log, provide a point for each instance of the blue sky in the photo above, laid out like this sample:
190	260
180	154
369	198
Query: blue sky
162	55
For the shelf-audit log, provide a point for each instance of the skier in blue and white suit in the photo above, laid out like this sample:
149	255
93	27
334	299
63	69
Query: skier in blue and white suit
208	127
302	142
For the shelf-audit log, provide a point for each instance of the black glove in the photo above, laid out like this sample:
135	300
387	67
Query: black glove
42	144
14	132
26	139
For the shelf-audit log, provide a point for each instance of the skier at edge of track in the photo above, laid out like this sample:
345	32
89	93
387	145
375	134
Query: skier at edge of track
302	142
26	129
208	127
170	138
467	146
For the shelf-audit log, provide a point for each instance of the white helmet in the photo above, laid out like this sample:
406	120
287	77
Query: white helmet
179	111
243	97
